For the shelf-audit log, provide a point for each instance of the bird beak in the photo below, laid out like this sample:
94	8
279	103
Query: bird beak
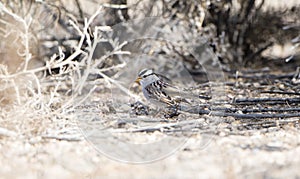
138	80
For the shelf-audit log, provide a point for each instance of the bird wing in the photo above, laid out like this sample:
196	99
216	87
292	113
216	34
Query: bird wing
156	91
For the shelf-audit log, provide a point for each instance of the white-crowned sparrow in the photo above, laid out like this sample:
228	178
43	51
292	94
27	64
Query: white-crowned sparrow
157	89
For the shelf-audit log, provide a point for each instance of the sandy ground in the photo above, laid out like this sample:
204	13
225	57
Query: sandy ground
268	153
